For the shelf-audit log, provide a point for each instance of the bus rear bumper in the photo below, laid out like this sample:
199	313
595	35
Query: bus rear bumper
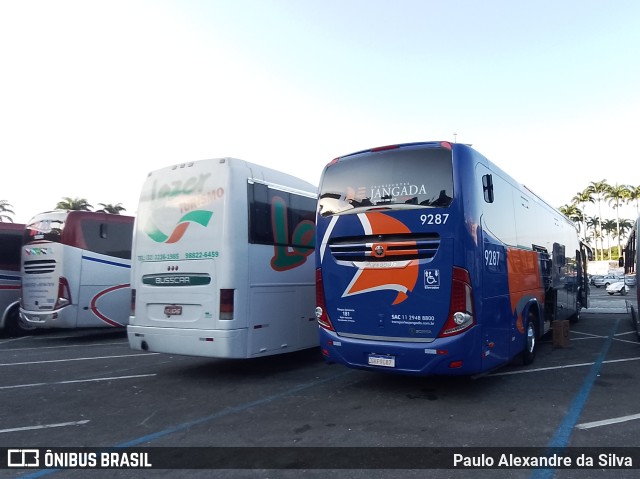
48	319
213	343
450	356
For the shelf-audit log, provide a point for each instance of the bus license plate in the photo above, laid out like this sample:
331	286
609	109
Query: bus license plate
173	310
386	361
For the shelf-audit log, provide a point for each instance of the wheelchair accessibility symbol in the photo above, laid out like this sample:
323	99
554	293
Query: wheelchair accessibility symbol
431	279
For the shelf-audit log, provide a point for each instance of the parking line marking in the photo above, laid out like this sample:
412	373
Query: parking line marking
39	348
44	426
566	366
205	419
75	381
606	422
77	359
537	370
11	340
562	435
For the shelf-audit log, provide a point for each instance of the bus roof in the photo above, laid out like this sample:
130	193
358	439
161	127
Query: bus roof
11	226
86	214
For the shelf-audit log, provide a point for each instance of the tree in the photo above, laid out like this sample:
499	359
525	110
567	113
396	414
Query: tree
593	222
582	198
615	195
79	204
625	226
609	227
572	212
598	189
110	208
634	195
5	207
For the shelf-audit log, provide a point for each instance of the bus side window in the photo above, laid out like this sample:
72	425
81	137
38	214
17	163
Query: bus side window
260	228
487	188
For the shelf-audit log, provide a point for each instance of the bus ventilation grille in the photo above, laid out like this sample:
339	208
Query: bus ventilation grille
385	248
40	266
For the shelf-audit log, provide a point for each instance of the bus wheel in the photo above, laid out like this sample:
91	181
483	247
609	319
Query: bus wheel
531	341
16	326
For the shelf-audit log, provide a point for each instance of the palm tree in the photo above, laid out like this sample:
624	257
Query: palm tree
609	227
615	195
110	208
593	223
572	212
582	198
598	189
625	225
68	203
5	207
634	195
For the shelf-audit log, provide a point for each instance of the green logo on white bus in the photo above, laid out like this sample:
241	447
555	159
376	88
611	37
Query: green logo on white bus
201	217
175	279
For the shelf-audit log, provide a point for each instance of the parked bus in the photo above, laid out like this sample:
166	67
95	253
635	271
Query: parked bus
10	244
76	269
432	260
632	266
223	263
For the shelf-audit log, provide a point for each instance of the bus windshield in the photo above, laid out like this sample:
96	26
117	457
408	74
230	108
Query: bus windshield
45	227
407	177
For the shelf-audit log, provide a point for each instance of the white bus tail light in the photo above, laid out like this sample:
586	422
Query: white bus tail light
226	304
460	316
321	313
64	293
132	311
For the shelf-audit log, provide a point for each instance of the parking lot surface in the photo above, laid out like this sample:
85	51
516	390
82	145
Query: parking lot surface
86	388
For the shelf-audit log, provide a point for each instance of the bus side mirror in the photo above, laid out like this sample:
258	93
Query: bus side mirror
487	188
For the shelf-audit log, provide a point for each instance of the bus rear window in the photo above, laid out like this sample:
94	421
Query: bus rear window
48	229
411	177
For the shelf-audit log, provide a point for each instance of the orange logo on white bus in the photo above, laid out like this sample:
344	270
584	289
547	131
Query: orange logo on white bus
398	276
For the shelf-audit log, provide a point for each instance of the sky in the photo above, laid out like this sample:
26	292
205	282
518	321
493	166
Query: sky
96	94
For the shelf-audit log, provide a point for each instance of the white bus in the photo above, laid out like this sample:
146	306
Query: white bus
76	269
10	244
223	261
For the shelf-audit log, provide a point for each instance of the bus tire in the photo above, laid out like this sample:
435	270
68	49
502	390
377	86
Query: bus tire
575	317
531	340
15	325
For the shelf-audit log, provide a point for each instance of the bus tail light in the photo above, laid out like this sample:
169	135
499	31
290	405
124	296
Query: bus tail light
461	308
321	310
64	293
226	304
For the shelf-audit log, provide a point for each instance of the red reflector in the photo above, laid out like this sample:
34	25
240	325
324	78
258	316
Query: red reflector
226	303
455	364
325	352
442	352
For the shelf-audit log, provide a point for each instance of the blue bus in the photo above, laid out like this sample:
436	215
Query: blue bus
431	260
